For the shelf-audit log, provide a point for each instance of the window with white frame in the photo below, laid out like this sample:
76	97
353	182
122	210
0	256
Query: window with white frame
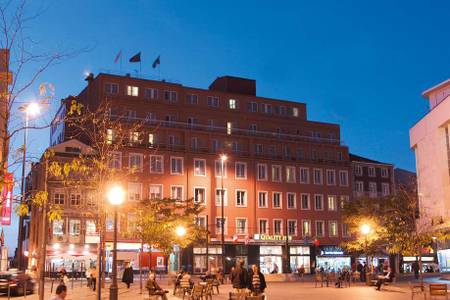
320	228
170	96
151	93
304	175
262	200
373	189
261	172
343	178
176	165
111	88
241	198
318	202
241	225
135	162
59	197
263	226
331	177
220	168
58	227
75	199
213	101
384	172
385	190
292	227
306	228
134	137
115	161
345	230
295	112
290	174
156	164
201	221
110	136
156	191
132	91
259	149
332	228
276	200
176	192
219	223
240	170
291	200
233	104
371	171
90	227
253	107
195	143
74	227
152	139
318	176
199	167
344	200
358	170
192	99
134	191
276	173
200	195
277	226
221	194
304	201
332	203
359	186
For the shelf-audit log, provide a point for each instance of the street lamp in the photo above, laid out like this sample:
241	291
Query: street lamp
116	197
180	231
31	110
223	159
365	230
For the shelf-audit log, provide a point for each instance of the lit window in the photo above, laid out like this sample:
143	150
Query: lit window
233	104
229	127
176	192
90	227
295	111
156	191
306	228
332	228
74	227
132	91
134	191
290	174
110	136
199	167
332	205
200	196
134	137
58	227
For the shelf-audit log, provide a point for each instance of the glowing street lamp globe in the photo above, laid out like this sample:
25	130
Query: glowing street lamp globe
32	109
116	195
365	229
223	157
180	231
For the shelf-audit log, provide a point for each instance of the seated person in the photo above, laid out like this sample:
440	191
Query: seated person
154	288
343	275
385	278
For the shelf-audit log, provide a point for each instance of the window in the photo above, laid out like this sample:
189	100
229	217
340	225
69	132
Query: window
372	189
213	101
276	173
343	178
152	139
132	91
262	172
134	137
192	99
291	200
215	145
240	170
195	143
221	168
385	191
272	151
58	227
358	170
263	226
75	199
266	108
384	172
241	225
91	200
201	221
345	230
200	195
320	228
174	140
359	186
331	177
318	176
131	222
229	127
115	161
219	223
170	96
332	205
156	191
252	128
253	107
292	227
90	227
276	200
286	152
233	104
262	200
109	222
318	202
134	191
306	228
339	156
156	164
221	194
110	136
332	228
304	175
176	165
282	110
135	161
176	192
59	198
290	174
74	227
295	112
344	200
371	171
241	198
277	227
111	88
151	93
304	201
199	167
259	149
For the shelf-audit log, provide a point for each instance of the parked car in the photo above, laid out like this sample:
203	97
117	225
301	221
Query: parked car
17	282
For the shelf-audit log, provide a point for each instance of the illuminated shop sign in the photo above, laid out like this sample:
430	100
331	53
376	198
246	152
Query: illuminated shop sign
332	250
266	237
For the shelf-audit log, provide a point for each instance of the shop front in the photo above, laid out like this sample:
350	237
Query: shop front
428	263
204	260
444	260
72	257
300	256
332	259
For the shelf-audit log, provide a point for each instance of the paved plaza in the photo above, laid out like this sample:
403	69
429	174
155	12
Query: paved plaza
275	291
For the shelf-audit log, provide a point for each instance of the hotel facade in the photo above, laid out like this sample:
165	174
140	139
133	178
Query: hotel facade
283	183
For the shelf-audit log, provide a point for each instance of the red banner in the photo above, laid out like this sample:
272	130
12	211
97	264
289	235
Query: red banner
7	199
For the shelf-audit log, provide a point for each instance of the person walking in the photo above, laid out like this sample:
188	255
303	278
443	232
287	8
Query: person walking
415	268
128	276
359	268
239	277
257	282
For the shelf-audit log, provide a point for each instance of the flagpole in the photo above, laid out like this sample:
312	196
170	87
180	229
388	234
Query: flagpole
140	68
159	71
120	63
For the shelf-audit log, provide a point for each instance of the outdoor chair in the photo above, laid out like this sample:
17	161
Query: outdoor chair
318	279
197	292
208	291
438	289
259	297
417	289
185	287
238	296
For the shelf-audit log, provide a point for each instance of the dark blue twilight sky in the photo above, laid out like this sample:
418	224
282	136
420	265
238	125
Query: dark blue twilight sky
361	64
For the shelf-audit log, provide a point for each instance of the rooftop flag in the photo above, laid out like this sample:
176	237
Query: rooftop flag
136	58
118	56
156	62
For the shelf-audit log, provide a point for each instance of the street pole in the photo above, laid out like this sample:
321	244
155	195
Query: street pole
222	221
43	248
207	244
140	264
22	188
113	289
287	247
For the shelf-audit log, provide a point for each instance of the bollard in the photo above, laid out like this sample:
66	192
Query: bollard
51	288
9	291
25	289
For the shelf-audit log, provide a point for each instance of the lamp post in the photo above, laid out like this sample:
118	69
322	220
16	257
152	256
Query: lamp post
31	109
115	197
223	159
365	230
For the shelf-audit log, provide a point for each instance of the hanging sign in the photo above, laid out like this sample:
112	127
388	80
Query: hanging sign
7	199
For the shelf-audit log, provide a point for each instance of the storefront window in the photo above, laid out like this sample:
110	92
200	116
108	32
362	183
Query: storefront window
299	250
90	227
270	259
74	227
332	264
58	227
